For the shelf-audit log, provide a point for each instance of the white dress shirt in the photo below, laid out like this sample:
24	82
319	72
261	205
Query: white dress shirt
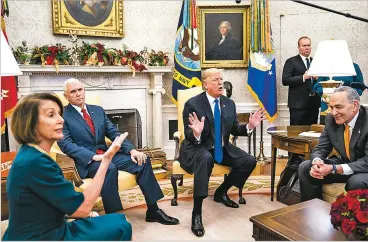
222	40
79	109
345	167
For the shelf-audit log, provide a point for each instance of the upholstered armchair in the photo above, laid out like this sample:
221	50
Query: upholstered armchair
125	179
178	173
329	191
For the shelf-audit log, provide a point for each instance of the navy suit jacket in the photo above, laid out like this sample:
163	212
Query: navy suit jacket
229	122
80	144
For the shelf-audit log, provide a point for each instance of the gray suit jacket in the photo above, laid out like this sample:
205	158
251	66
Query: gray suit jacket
333	137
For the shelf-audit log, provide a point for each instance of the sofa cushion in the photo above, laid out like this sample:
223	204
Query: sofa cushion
331	191
217	169
125	180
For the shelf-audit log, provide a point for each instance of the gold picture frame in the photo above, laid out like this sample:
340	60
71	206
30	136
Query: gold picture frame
91	18
231	51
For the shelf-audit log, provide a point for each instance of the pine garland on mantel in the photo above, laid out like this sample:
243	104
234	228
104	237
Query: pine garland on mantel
94	54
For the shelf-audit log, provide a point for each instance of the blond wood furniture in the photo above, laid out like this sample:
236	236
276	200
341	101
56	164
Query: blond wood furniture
303	221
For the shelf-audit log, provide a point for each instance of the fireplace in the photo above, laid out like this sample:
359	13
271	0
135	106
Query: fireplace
127	120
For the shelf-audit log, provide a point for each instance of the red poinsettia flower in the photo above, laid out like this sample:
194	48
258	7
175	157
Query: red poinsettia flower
50	60
362	217
354	193
348	225
353	204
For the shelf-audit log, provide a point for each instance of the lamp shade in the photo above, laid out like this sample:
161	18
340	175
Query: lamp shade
332	58
9	66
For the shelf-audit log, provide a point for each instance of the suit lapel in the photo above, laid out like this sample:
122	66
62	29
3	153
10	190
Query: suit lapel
301	63
76	115
340	139
207	109
356	134
223	114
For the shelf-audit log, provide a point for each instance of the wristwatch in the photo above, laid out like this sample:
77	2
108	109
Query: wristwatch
334	170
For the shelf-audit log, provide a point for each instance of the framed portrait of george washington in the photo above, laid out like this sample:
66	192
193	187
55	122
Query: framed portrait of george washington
88	17
224	35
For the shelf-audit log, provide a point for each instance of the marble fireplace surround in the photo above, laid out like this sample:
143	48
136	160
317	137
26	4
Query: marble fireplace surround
116	87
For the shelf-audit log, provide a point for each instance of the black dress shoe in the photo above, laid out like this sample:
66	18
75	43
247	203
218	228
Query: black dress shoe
224	199
161	217
197	226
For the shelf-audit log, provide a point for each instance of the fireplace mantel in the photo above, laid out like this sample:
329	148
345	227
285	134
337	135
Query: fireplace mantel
90	70
117	86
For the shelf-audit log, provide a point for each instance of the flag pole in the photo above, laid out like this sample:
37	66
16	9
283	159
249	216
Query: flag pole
261	158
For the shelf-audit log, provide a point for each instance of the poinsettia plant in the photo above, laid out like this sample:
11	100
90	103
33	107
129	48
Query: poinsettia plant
51	55
94	54
350	213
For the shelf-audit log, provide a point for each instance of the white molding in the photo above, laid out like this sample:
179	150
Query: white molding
68	69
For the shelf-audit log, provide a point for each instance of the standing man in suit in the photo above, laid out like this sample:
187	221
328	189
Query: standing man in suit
225	48
345	131
209	119
85	128
302	102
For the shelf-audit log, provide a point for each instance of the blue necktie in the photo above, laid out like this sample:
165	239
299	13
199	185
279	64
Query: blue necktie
218	135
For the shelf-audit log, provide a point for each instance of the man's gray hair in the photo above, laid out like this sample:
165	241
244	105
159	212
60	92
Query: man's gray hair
228	24
70	80
351	93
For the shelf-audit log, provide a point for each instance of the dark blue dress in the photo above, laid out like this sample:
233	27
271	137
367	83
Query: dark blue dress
39	197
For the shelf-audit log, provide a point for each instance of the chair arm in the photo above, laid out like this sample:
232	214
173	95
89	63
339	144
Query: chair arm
177	136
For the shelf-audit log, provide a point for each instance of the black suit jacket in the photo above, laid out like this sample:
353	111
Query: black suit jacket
292	76
230	125
229	49
333	137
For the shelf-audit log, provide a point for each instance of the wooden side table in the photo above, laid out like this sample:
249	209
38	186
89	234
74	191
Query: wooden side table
303	221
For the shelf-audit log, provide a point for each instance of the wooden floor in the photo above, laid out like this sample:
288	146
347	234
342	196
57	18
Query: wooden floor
260	170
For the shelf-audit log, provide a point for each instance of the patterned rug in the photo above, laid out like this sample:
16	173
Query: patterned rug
134	197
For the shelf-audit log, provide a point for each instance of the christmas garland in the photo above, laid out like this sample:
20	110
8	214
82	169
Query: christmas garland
94	54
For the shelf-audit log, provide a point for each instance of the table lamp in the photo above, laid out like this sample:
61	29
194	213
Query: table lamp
332	58
9	66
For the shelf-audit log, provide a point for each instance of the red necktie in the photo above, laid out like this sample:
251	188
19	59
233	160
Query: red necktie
92	127
88	121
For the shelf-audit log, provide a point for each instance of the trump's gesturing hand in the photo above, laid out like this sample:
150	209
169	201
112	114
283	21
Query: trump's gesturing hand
195	124
256	118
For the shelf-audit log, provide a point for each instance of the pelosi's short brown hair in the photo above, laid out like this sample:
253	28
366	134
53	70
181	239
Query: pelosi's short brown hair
25	116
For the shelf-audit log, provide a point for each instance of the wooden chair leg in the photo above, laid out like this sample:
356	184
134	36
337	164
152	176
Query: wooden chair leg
174	178
241	198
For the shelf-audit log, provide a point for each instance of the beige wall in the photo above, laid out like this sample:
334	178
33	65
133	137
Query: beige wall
153	24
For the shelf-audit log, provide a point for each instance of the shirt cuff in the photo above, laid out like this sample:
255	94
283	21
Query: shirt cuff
249	131
198	138
346	169
315	159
